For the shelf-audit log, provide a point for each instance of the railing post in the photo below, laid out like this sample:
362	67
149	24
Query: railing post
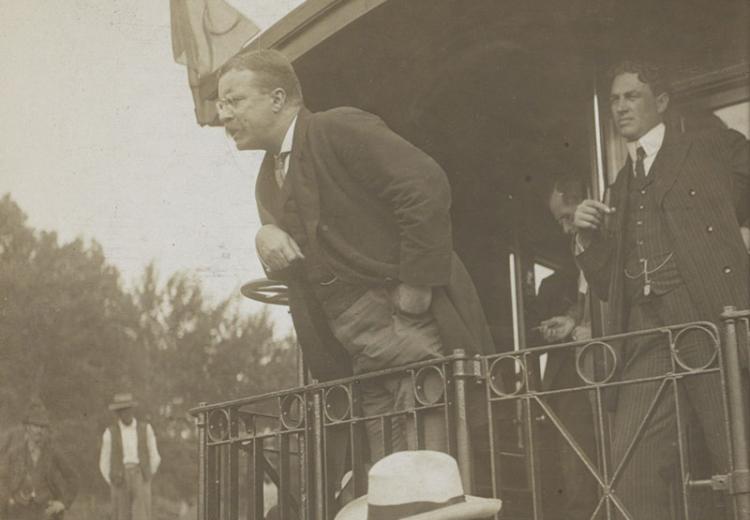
200	424
318	457
304	470
232	485
739	479
463	370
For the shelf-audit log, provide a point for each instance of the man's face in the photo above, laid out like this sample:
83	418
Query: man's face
562	212
635	108
36	433
248	114
125	415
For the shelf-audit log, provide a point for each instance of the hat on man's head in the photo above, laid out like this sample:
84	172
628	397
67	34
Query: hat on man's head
417	485
122	401
36	414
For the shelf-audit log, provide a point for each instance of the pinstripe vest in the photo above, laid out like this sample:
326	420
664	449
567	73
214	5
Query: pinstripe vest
650	267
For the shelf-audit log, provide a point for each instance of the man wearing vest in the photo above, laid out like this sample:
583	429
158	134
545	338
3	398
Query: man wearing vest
129	459
357	223
36	480
668	250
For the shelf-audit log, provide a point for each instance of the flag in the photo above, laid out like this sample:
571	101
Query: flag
205	34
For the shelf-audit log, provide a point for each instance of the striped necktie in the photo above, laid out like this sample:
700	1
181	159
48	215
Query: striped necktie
279	167
640	168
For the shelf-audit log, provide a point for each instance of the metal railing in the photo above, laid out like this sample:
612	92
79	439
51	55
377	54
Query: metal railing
498	417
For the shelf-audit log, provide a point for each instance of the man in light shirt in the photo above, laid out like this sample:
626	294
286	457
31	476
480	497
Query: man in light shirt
667	250
129	459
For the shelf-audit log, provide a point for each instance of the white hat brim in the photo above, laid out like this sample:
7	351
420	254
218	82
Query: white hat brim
473	508
122	406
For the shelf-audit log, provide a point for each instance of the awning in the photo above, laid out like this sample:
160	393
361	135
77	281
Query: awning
205	34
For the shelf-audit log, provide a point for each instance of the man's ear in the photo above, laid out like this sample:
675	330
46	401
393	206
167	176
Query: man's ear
662	102
278	95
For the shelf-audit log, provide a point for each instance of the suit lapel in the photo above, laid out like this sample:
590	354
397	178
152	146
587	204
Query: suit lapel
266	192
300	129
619	199
668	162
302	182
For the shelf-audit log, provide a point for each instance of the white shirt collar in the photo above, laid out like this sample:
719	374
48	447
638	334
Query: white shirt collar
650	142
286	144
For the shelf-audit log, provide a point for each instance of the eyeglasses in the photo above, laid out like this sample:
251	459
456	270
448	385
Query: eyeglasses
228	103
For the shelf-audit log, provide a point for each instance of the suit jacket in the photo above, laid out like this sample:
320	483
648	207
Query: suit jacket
704	189
58	473
378	210
558	296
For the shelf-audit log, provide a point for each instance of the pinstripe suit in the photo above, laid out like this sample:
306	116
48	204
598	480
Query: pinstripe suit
701	193
706	183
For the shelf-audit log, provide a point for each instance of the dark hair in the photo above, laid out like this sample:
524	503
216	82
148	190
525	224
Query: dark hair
572	188
649	73
272	69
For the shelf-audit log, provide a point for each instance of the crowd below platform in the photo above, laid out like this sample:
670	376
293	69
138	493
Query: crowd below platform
39	482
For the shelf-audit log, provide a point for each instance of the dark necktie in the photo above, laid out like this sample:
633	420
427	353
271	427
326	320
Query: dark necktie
640	168
279	170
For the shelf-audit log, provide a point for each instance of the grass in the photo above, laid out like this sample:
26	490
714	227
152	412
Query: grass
91	507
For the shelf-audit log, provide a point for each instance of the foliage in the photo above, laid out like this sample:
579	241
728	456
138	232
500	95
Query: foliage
71	334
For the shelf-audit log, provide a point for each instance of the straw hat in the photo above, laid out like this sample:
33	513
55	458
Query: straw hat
122	401
417	485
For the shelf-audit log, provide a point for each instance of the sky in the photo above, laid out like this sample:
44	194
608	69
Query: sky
99	141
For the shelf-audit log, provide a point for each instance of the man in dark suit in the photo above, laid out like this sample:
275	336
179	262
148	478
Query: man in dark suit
36	480
561	308
356	222
668	250
569	489
567	318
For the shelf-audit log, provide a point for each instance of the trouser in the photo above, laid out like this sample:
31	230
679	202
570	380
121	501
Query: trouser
424	430
377	336
132	499
644	485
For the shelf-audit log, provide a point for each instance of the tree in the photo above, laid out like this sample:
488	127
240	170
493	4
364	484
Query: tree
63	317
73	336
208	353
